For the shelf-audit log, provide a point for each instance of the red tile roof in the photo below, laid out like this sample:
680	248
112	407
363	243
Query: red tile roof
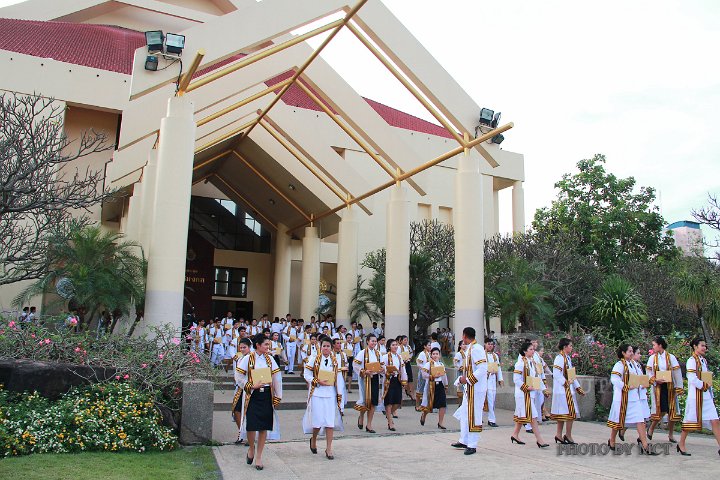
112	48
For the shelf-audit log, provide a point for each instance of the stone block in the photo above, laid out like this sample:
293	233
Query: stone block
196	418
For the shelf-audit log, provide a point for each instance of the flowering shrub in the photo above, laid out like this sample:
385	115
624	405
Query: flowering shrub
155	364
113	417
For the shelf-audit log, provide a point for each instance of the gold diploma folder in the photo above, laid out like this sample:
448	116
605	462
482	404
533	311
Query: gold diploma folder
391	370
327	376
405	356
533	382
492	367
437	371
571	375
261	376
373	367
706	377
293	338
664	375
635	381
348	352
356	340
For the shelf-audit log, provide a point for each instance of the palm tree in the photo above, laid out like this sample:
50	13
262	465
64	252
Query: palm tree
698	288
98	271
431	295
619	306
368	302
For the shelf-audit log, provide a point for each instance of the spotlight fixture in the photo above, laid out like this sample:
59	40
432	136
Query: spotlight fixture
291	186
151	63
154	41
486	116
174	43
497	139
495	121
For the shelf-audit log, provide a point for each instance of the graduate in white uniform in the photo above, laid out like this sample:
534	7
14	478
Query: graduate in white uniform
664	395
310	349
526	410
323	412
276	348
459	364
394	379
636	368
406	353
197	334
291	335
626	406
218	349
565	408
700	410
422	358
435	392
494	379
344	365
244	348
369	391
382	344
259	418
348	347
539	398
474	380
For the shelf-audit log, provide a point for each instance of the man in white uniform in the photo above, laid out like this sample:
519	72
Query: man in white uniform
493	379
470	412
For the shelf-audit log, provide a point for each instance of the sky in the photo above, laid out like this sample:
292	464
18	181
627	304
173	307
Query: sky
637	81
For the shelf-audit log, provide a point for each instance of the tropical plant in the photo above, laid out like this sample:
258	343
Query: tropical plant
697	283
619	308
432	296
94	270
364	301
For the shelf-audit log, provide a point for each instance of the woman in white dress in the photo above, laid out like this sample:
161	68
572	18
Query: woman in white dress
259	418
664	394
626	406
323	412
435	392
422	358
564	401
459	362
636	368
369	391
237	403
349	348
406	353
699	407
525	394
394	380
382	345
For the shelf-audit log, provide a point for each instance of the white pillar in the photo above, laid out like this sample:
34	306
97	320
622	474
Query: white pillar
147	211
310	286
283	262
518	207
469	247
496	212
168	238
347	266
134	216
488	207
397	264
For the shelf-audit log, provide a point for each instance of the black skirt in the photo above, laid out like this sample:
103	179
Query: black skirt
439	399
394	393
259	414
374	389
664	398
408	369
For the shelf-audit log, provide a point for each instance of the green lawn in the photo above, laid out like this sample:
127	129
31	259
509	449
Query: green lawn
190	463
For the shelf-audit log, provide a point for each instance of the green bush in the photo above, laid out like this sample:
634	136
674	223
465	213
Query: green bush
112	417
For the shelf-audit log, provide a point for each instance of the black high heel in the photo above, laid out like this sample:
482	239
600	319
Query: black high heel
568	441
672	440
422	419
313	450
392	429
621	434
441	427
249	460
646	451
542	445
515	440
611	447
684	454
369	430
329	457
557	440
360	425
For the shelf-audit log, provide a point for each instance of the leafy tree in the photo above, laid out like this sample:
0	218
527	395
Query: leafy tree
609	221
619	307
698	289
365	301
40	188
94	271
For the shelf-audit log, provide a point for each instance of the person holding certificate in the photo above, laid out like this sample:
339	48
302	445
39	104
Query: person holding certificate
343	366
565	390
436	384
394	378
243	349
260	379
459	363
406	355
528	385
626	407
667	385
368	366
422	358
638	376
323	414
699	407
494	378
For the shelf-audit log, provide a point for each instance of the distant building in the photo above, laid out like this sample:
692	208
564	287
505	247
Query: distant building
688	236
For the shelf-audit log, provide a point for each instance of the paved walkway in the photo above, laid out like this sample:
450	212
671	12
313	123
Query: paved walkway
416	452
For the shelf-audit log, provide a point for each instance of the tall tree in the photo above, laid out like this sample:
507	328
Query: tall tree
710	215
39	186
698	289
610	221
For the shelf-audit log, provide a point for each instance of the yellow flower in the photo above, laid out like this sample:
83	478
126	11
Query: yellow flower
122	435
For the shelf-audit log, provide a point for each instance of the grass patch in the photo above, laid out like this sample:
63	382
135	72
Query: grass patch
189	463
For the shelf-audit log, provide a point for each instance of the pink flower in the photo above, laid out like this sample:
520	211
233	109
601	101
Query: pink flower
161	356
193	328
47	341
574	355
144	365
77	349
117	377
32	335
595	366
11	324
73	322
650	352
126	376
188	337
176	341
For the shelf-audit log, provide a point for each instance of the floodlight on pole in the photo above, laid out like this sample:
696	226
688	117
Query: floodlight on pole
154	40
174	43
486	116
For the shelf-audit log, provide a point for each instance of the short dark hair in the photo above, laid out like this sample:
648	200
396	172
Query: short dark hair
564	342
435	349
390	342
245	341
325	338
524	347
622	349
336	340
488	340
313	335
370	335
469	332
660	341
434	336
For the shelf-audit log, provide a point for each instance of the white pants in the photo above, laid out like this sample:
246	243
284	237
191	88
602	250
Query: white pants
491	405
467	437
539	401
218	352
291	348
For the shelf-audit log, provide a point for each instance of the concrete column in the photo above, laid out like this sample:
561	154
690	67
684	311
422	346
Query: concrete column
134	216
469	247
168	237
518	207
397	264
347	266
147	210
488	206
310	274
283	262
496	213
